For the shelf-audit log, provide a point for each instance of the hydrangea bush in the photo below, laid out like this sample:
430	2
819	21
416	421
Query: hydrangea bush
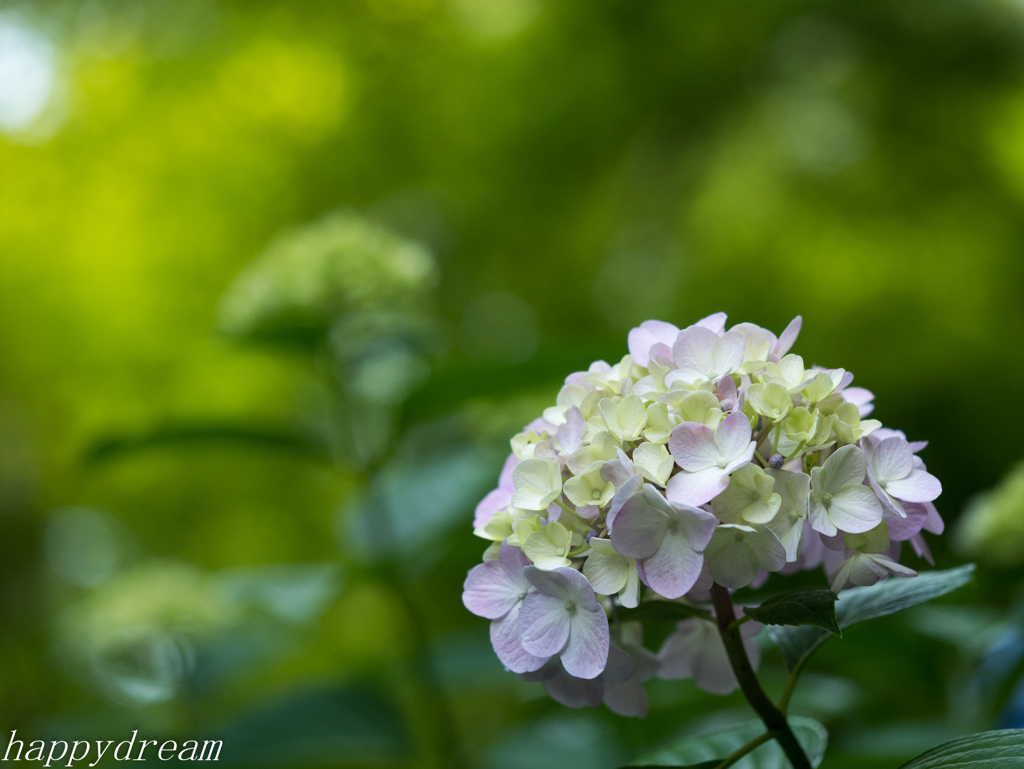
700	463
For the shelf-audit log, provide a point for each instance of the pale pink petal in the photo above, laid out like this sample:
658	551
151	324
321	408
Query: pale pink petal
648	334
626	491
728	354
934	524
587	651
695	489
543	624
639	528
662	353
698	526
891	458
921	548
514	560
919	486
693	446
732	436
715	322
490	591
539	425
860	398
742	459
882	433
579	378
618	471
693	349
889	503
570	433
674	568
497	499
727	393
788	336
902	529
505	479
508	646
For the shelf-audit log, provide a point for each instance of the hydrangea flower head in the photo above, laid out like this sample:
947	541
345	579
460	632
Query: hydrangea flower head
707	455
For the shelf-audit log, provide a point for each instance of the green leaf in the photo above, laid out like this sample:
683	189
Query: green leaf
806	607
190	436
1002	749
706	750
668	610
318	726
864	603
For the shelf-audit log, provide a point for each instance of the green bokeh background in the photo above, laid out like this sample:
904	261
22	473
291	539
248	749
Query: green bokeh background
574	167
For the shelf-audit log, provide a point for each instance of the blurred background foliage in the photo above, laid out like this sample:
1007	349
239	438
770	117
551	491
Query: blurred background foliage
279	280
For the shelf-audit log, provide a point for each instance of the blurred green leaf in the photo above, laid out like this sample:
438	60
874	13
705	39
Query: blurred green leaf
285	439
806	607
707	749
293	593
667	610
864	603
344	726
430	485
559	742
991	529
999	750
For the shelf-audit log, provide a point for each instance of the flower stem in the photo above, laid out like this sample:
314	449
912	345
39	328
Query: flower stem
773	718
739	753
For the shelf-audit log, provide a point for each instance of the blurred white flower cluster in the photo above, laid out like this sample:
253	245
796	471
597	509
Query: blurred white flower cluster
704	456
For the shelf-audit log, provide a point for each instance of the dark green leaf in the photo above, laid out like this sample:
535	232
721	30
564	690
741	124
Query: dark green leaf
864	603
998	750
705	750
807	607
669	610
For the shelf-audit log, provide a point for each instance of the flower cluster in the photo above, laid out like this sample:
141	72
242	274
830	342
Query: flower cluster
704	456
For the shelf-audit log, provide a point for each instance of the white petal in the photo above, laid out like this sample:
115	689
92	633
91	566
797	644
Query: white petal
819	520
891	458
845	466
607	574
855	509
